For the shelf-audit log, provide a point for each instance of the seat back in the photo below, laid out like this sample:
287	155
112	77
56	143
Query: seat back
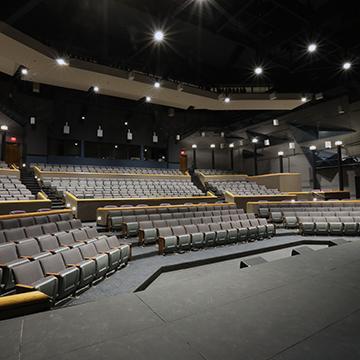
48	242
88	250
63	225
33	231
65	239
15	234
178	230
52	264
72	256
165	231
28	273
27	221
79	235
28	247
8	253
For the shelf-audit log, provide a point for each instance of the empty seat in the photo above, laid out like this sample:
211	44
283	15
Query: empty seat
53	218
89	252
209	235
221	235
350	227
10	223
33	231
30	249
252	230
321	225
68	277
116	222
114	243
80	235
75	223
307	226
276	216
270	228
15	234
167	241
67	240
184	239
197	237
50	243
26	221
232	233
335	225
290	222
63	225
91	232
261	228
31	274
9	259
87	268
66	216
114	255
241	231
49	228
41	220
147	232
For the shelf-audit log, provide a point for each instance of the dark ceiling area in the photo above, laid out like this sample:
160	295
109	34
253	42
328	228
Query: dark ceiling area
207	42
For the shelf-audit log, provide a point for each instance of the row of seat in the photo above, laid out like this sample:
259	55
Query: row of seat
103	188
117	221
180	238
11	188
240	187
289	217
217	172
266	210
332	225
148	230
22	233
104	169
34	220
132	228
61	274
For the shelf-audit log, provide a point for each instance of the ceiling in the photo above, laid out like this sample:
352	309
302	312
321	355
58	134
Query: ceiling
208	42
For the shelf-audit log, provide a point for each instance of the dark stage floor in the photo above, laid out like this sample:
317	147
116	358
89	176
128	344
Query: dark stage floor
304	307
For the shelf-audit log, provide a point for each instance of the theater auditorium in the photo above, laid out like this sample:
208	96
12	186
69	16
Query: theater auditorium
179	179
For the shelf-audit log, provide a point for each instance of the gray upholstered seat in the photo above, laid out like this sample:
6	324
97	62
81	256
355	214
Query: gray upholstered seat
252	230
63	226
147	232
114	255
87	268
209	235
184	239
242	231
50	243
9	259
31	274
67	240
197	237
68	277
168	239
33	231
30	249
15	235
232	233
221	235
114	243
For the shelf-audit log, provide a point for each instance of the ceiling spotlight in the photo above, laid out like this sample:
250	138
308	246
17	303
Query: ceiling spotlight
276	122
116	146
304	99
62	62
311	48
254	140
96	89
83	117
267	142
156	84
4	127
212	146
280	153
148	99
126	123
258	70
227	100
194	146
24	71
159	36
312	147
346	65
338	143
231	146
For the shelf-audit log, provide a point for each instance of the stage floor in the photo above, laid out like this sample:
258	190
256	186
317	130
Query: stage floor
304	307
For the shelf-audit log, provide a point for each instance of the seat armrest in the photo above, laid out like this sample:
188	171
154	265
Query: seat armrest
21	288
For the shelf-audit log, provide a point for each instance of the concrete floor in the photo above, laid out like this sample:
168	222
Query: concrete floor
303	307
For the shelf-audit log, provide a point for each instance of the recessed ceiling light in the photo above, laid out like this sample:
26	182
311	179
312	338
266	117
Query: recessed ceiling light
156	84
96	89
311	48
258	70
159	36
346	65
125	123
212	146
148	99
254	140
227	100
24	71
304	99
61	62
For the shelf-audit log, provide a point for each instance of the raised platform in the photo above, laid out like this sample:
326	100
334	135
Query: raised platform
305	307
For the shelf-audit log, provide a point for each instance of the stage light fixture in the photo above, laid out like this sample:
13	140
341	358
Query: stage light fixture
159	36
304	99
24	71
258	70
312	48
227	100
96	89
346	65
156	84
61	62
148	99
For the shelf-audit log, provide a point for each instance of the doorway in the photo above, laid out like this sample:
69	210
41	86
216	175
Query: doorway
12	154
